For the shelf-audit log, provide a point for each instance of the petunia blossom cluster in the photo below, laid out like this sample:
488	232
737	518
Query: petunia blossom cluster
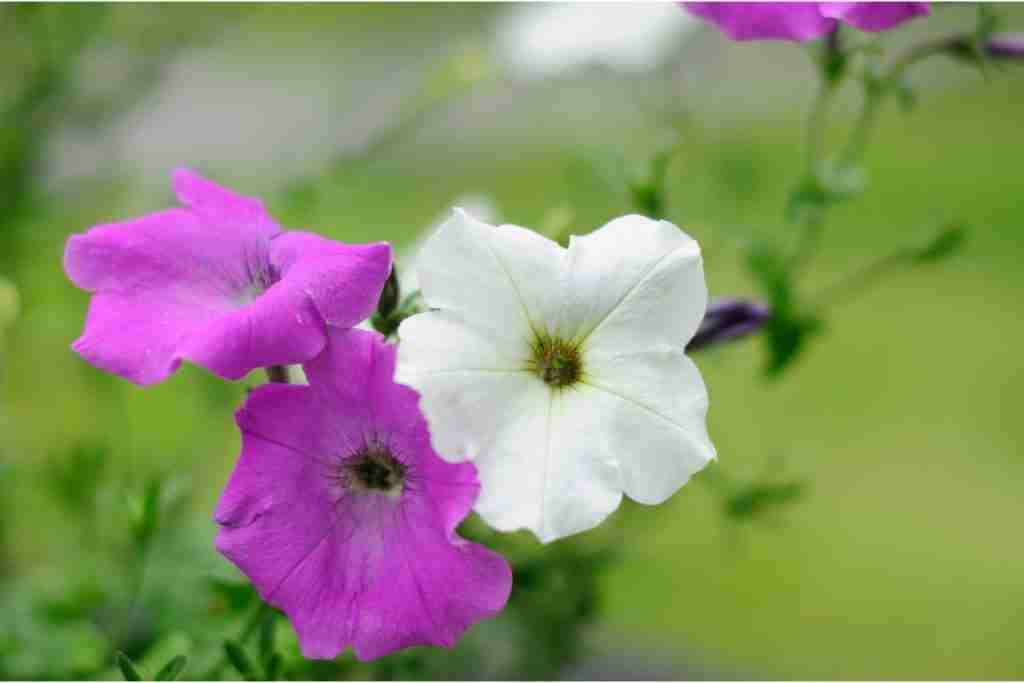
541	385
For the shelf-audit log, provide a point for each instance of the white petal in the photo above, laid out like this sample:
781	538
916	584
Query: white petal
635	283
658	429
546	471
408	258
556	462
469	383
444	341
499	277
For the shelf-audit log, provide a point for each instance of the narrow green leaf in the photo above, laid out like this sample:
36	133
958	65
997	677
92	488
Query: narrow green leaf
273	667
267	631
128	669
756	499
941	245
145	512
172	669
236	655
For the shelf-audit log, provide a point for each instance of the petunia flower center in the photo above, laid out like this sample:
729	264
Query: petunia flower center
557	363
259	276
374	469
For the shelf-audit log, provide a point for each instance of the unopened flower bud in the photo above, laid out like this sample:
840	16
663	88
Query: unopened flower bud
1006	46
389	295
728	319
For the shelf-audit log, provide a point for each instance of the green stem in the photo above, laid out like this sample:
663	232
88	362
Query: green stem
860	279
807	242
856	144
811	225
816	126
876	91
830	74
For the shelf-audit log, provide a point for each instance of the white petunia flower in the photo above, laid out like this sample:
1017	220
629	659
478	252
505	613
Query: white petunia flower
552	39
560	372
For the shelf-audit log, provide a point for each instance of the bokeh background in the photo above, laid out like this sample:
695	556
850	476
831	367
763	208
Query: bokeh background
894	548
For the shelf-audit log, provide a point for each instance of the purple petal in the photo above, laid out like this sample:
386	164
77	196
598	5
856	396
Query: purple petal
221	207
874	16
354	567
280	327
343	280
218	284
765	20
156	280
137	338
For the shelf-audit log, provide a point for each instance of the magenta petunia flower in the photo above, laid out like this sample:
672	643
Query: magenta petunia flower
217	283
343	516
802	21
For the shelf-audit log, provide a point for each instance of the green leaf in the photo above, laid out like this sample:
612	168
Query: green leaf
647	189
145	512
754	500
788	329
243	665
768	267
833	61
75	475
173	669
236	595
272	667
941	245
266	635
128	669
787	337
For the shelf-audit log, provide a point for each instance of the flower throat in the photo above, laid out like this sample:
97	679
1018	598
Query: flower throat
556	362
375	469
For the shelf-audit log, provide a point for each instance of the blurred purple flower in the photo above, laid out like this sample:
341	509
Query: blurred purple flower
343	516
1006	46
802	21
728	319
217	283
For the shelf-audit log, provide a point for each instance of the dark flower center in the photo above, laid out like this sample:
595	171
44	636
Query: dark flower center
556	362
375	469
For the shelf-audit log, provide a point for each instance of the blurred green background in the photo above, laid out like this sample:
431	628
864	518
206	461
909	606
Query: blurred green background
902	559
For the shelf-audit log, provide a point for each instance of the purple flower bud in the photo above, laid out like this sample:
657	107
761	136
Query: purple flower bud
1006	46
728	319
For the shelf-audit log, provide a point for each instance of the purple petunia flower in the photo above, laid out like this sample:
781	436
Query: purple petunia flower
217	283
343	516
802	21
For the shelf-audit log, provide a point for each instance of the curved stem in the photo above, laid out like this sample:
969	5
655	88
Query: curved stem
864	126
876	93
813	142
859	280
807	242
